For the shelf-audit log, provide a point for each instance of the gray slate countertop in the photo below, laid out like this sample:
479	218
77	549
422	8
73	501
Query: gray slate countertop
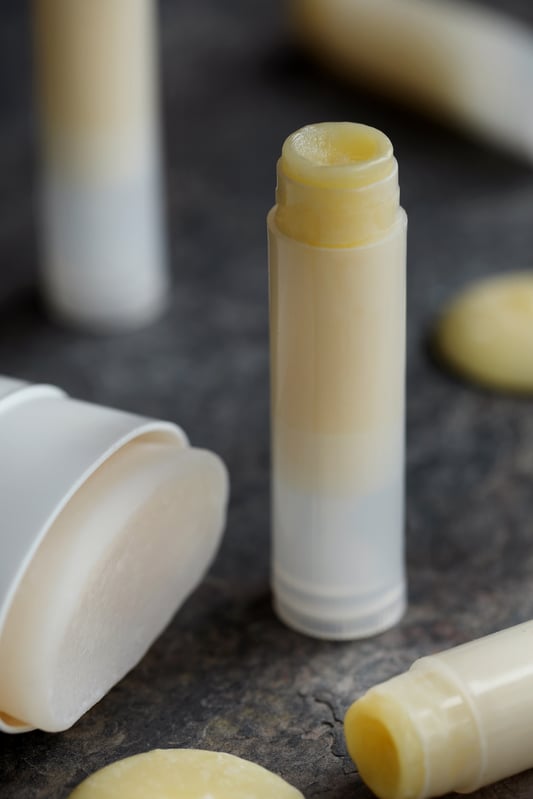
226	674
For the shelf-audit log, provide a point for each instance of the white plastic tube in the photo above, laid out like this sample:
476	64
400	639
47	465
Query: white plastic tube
458	60
103	247
456	721
337	291
109	521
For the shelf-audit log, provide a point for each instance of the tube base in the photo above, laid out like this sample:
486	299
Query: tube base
338	560
360	623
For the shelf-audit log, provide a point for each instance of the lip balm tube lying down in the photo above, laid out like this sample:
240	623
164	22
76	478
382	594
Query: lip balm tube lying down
456	721
458	60
337	240
103	247
109	521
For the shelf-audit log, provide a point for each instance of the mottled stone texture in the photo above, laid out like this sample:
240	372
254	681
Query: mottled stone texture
226	674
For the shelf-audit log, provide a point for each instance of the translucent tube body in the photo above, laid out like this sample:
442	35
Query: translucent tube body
337	294
103	249
456	721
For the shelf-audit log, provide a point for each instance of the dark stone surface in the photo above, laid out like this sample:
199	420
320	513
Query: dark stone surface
226	674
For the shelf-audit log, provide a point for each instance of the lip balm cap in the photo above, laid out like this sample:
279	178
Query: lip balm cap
51	445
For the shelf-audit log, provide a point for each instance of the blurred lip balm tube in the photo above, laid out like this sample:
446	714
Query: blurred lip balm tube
457	60
103	248
109	521
337	238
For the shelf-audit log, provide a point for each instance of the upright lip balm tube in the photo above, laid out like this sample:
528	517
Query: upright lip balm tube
109	521
337	238
456	721
103	248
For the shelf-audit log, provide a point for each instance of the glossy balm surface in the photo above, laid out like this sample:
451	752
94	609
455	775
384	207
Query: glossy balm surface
337	326
486	332
184	774
456	721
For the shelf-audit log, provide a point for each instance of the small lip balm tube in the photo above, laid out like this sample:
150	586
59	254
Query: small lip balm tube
456	721
337	239
103	247
109	521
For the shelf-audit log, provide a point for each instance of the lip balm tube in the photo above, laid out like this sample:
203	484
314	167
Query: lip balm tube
456	721
109	521
103	248
337	239
457	60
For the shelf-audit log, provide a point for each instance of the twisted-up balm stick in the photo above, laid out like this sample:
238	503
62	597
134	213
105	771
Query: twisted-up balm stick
109	522
184	774
456	721
486	332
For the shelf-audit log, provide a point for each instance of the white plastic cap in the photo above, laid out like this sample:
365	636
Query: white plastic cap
53	449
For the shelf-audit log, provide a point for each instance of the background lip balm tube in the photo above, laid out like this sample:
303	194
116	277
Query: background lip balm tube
458	60
109	521
337	239
456	721
103	248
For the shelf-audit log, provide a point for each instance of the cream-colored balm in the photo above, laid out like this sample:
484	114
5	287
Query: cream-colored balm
337	240
486	332
456	721
103	246
184	774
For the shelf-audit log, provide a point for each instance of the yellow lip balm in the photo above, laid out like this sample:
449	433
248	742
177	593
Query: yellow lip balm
184	774
456	721
337	239
486	332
